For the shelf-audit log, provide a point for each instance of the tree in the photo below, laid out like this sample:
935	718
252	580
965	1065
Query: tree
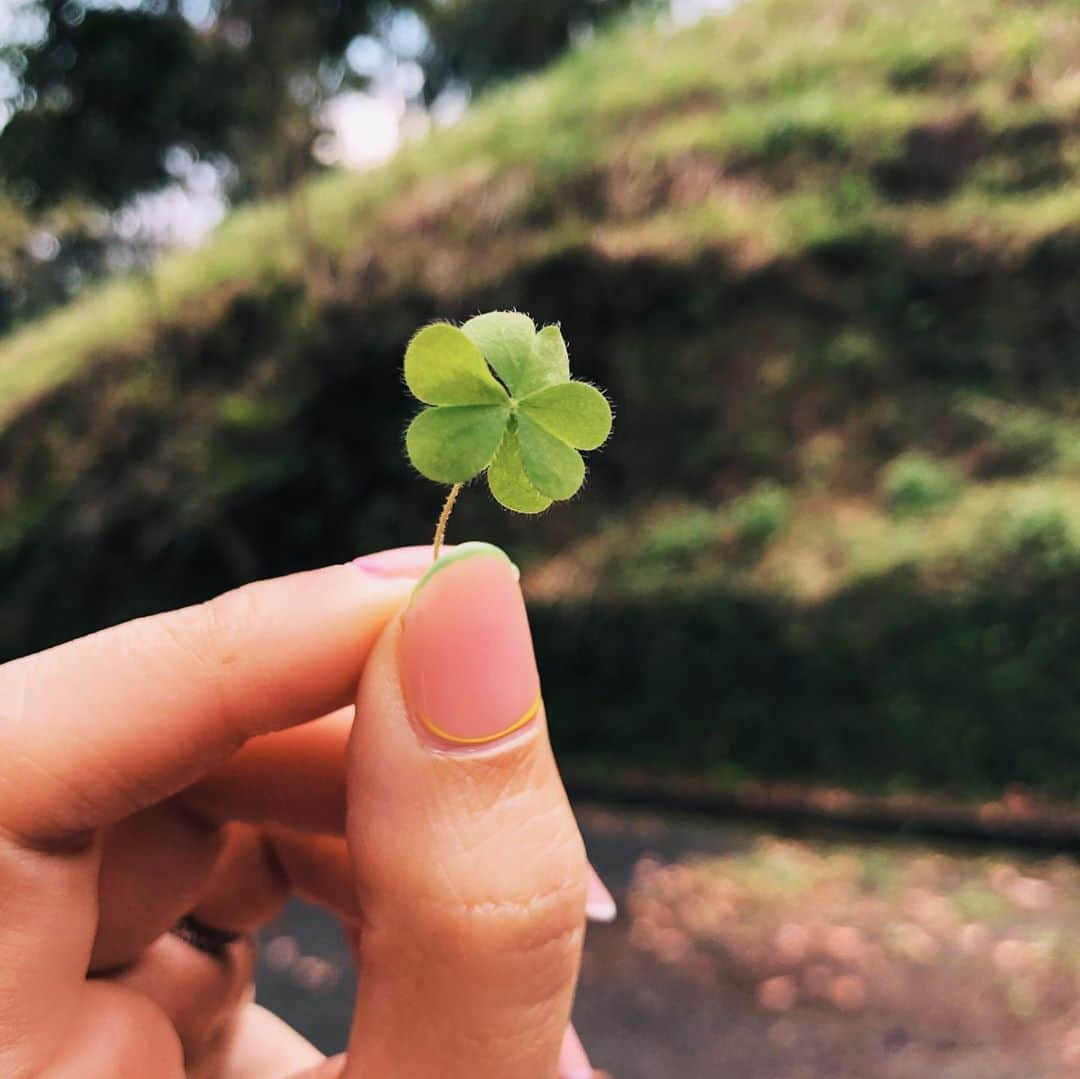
477	42
107	91
104	92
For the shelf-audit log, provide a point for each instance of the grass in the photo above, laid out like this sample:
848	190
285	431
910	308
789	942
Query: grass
808	547
840	91
914	485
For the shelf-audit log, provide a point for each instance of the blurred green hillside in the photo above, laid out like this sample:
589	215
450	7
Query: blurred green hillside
826	258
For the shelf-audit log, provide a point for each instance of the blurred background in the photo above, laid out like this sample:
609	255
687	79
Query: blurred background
809	638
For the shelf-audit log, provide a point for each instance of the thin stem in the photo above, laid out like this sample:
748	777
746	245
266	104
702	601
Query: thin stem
440	528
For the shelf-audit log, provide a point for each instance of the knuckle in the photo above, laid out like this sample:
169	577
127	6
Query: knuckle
547	923
212	638
226	621
515	914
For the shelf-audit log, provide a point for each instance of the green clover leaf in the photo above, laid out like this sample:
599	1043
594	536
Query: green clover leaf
501	400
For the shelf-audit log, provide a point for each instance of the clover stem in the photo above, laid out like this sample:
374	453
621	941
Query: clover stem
440	528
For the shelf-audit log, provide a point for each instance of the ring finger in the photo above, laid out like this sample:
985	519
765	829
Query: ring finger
200	991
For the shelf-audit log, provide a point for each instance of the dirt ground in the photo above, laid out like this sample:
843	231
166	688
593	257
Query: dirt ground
744	954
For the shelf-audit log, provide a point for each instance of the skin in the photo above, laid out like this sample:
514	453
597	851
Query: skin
176	765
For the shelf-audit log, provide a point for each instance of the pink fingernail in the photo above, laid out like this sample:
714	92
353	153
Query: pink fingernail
466	656
398	562
599	902
573	1060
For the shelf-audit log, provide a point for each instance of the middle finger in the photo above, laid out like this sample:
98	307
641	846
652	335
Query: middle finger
158	864
294	778
154	866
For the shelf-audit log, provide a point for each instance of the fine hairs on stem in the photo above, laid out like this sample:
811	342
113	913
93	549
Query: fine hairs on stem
440	528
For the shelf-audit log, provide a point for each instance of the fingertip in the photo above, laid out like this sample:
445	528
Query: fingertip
466	658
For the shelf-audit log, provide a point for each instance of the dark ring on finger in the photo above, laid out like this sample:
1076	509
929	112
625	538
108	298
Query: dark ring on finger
204	937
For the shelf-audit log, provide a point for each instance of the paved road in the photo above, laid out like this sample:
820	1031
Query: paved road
638	1022
641	1018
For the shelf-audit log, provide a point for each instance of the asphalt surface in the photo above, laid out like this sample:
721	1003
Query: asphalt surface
639	1019
642	1018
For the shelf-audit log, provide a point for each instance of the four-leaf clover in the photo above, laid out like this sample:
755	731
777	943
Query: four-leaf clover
524	426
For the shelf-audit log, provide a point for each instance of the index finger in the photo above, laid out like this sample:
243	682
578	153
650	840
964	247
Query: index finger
93	730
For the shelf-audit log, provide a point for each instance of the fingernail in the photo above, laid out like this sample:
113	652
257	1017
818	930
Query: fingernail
466	657
573	1060
398	562
599	902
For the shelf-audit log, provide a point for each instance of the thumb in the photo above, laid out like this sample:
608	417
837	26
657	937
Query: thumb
470	871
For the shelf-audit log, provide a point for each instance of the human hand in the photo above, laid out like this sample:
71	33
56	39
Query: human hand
463	876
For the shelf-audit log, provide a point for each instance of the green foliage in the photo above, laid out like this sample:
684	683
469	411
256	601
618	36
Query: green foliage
760	514
680	536
1034	542
1018	439
915	484
455	443
525	430
885	685
854	353
509	484
701	102
107	91
247	82
99	99
444	367
94	129
480	41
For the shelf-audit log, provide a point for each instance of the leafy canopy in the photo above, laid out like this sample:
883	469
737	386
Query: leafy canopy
502	401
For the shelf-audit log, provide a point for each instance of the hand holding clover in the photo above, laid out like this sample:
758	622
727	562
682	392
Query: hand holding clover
370	736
